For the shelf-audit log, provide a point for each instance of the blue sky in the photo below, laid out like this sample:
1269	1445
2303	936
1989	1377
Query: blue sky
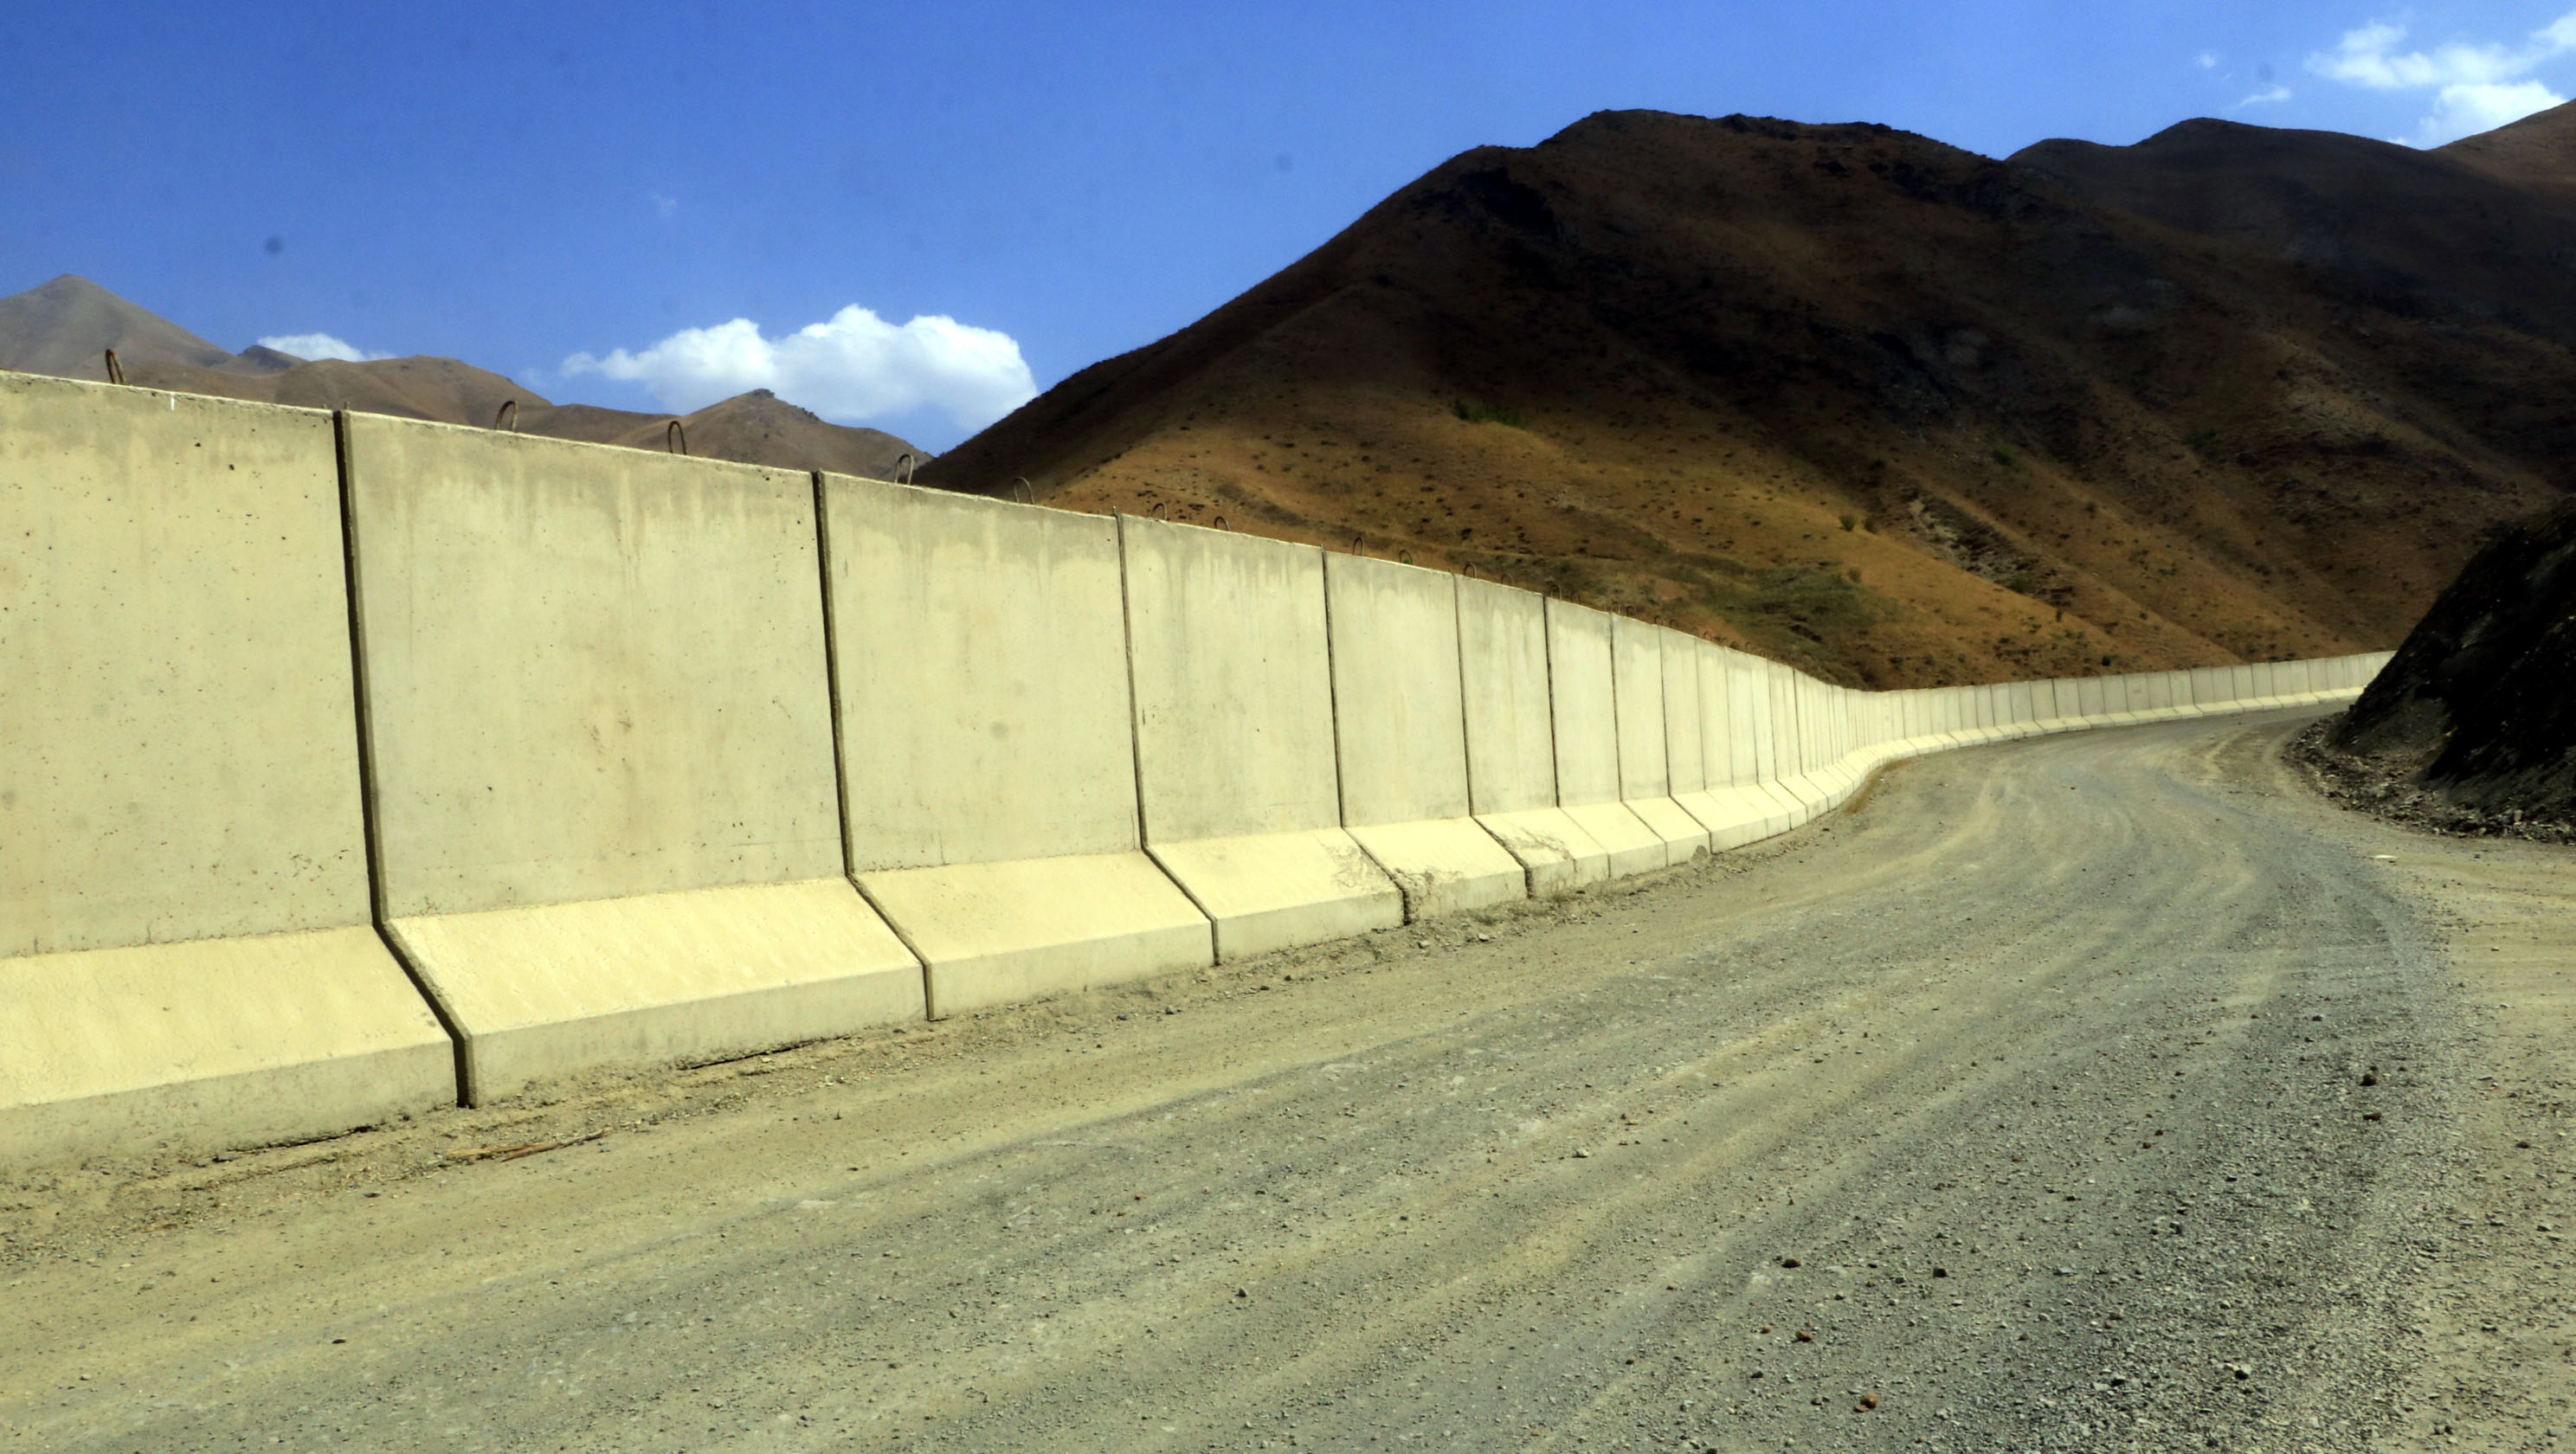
643	204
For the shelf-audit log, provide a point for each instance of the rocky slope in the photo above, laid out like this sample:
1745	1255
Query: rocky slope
2472	726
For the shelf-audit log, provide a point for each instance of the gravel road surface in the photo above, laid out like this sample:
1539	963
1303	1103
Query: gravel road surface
2106	1091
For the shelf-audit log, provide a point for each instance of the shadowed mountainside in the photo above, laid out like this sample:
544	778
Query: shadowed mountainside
63	328
1888	410
2470	725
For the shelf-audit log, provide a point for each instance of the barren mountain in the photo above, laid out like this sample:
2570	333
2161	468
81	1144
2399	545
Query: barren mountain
1877	406
65	327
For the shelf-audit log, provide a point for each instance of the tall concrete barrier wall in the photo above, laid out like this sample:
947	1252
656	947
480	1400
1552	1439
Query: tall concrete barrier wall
1727	803
1232	666
595	691
376	764
1583	702
186	943
1511	738
1400	725
987	745
1645	771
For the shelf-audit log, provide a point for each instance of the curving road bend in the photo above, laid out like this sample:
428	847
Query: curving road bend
2097	1092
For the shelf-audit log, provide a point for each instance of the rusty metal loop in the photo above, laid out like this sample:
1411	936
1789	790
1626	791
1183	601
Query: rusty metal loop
1028	492
902	471
1218	522
507	416
1467	568
1162	510
115	370
1404	557
675	439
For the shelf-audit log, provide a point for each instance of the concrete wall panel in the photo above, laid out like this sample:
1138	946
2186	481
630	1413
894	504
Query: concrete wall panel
184	950
1584	702
1685	736
595	676
1511	741
1234	738
1399	723
1644	729
988	755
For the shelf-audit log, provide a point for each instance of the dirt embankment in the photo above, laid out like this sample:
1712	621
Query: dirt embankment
2472	727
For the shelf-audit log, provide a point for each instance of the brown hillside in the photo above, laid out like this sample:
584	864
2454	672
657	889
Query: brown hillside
1886	409
65	326
2537	153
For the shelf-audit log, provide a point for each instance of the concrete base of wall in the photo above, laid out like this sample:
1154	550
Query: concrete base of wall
221	1042
1685	837
1556	854
1278	890
1732	816
996	933
1444	865
1632	846
700	975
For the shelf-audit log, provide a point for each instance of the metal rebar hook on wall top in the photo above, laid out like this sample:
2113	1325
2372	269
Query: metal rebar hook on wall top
902	471
115	370
507	416
675	439
1028	492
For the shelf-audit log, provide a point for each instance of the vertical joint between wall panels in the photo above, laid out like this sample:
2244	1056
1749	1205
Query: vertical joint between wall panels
1135	706
1333	692
1458	640
1136	734
832	679
1547	653
370	828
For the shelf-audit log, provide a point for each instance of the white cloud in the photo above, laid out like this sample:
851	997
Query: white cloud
663	205
2265	98
2476	87
318	346
2207	60
2469	109
853	366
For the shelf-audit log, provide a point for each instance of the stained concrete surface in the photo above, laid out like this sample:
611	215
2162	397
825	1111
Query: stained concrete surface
1934	1125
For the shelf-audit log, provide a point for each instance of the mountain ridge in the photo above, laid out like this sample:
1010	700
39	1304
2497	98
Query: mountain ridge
1853	398
64	326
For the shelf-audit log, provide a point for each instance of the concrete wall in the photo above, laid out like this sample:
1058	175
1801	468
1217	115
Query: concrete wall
988	751
1511	738
1231	661
1645	770
1399	719
1583	703
185	935
595	687
638	758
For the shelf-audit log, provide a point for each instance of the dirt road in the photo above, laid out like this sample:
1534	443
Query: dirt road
2102	1091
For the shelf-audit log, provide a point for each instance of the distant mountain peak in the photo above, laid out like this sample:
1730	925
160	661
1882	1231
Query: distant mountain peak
66	325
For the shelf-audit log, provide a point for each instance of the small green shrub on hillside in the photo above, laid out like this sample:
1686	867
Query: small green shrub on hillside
1475	413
